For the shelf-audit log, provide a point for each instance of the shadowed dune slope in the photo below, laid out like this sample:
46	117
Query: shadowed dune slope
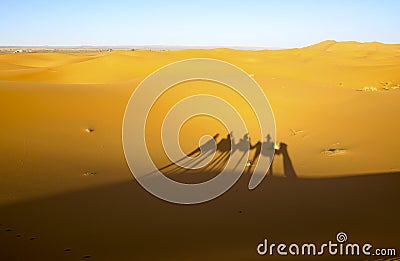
122	221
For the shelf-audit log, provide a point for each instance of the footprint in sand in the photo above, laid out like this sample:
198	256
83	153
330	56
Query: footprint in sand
89	173
32	238
296	132
89	130
334	152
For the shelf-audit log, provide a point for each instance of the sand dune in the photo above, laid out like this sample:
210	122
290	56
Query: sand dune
336	105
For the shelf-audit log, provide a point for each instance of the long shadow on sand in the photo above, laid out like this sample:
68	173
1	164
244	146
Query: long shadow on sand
124	222
226	147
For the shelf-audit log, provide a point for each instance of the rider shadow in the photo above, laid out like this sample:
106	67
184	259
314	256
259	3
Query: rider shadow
288	169
242	146
268	153
222	154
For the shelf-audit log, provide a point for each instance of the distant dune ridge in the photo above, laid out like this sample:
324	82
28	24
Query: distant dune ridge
336	106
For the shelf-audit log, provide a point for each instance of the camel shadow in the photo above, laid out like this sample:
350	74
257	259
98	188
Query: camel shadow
224	149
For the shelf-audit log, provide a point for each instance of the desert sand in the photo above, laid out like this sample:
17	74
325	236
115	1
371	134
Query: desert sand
66	192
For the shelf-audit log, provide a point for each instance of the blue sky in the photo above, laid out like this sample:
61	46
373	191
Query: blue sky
201	23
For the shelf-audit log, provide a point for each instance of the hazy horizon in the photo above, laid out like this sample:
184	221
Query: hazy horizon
173	47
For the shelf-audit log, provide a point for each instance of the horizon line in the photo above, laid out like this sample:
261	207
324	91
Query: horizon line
180	47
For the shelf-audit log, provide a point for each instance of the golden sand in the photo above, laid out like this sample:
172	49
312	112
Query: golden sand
61	129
